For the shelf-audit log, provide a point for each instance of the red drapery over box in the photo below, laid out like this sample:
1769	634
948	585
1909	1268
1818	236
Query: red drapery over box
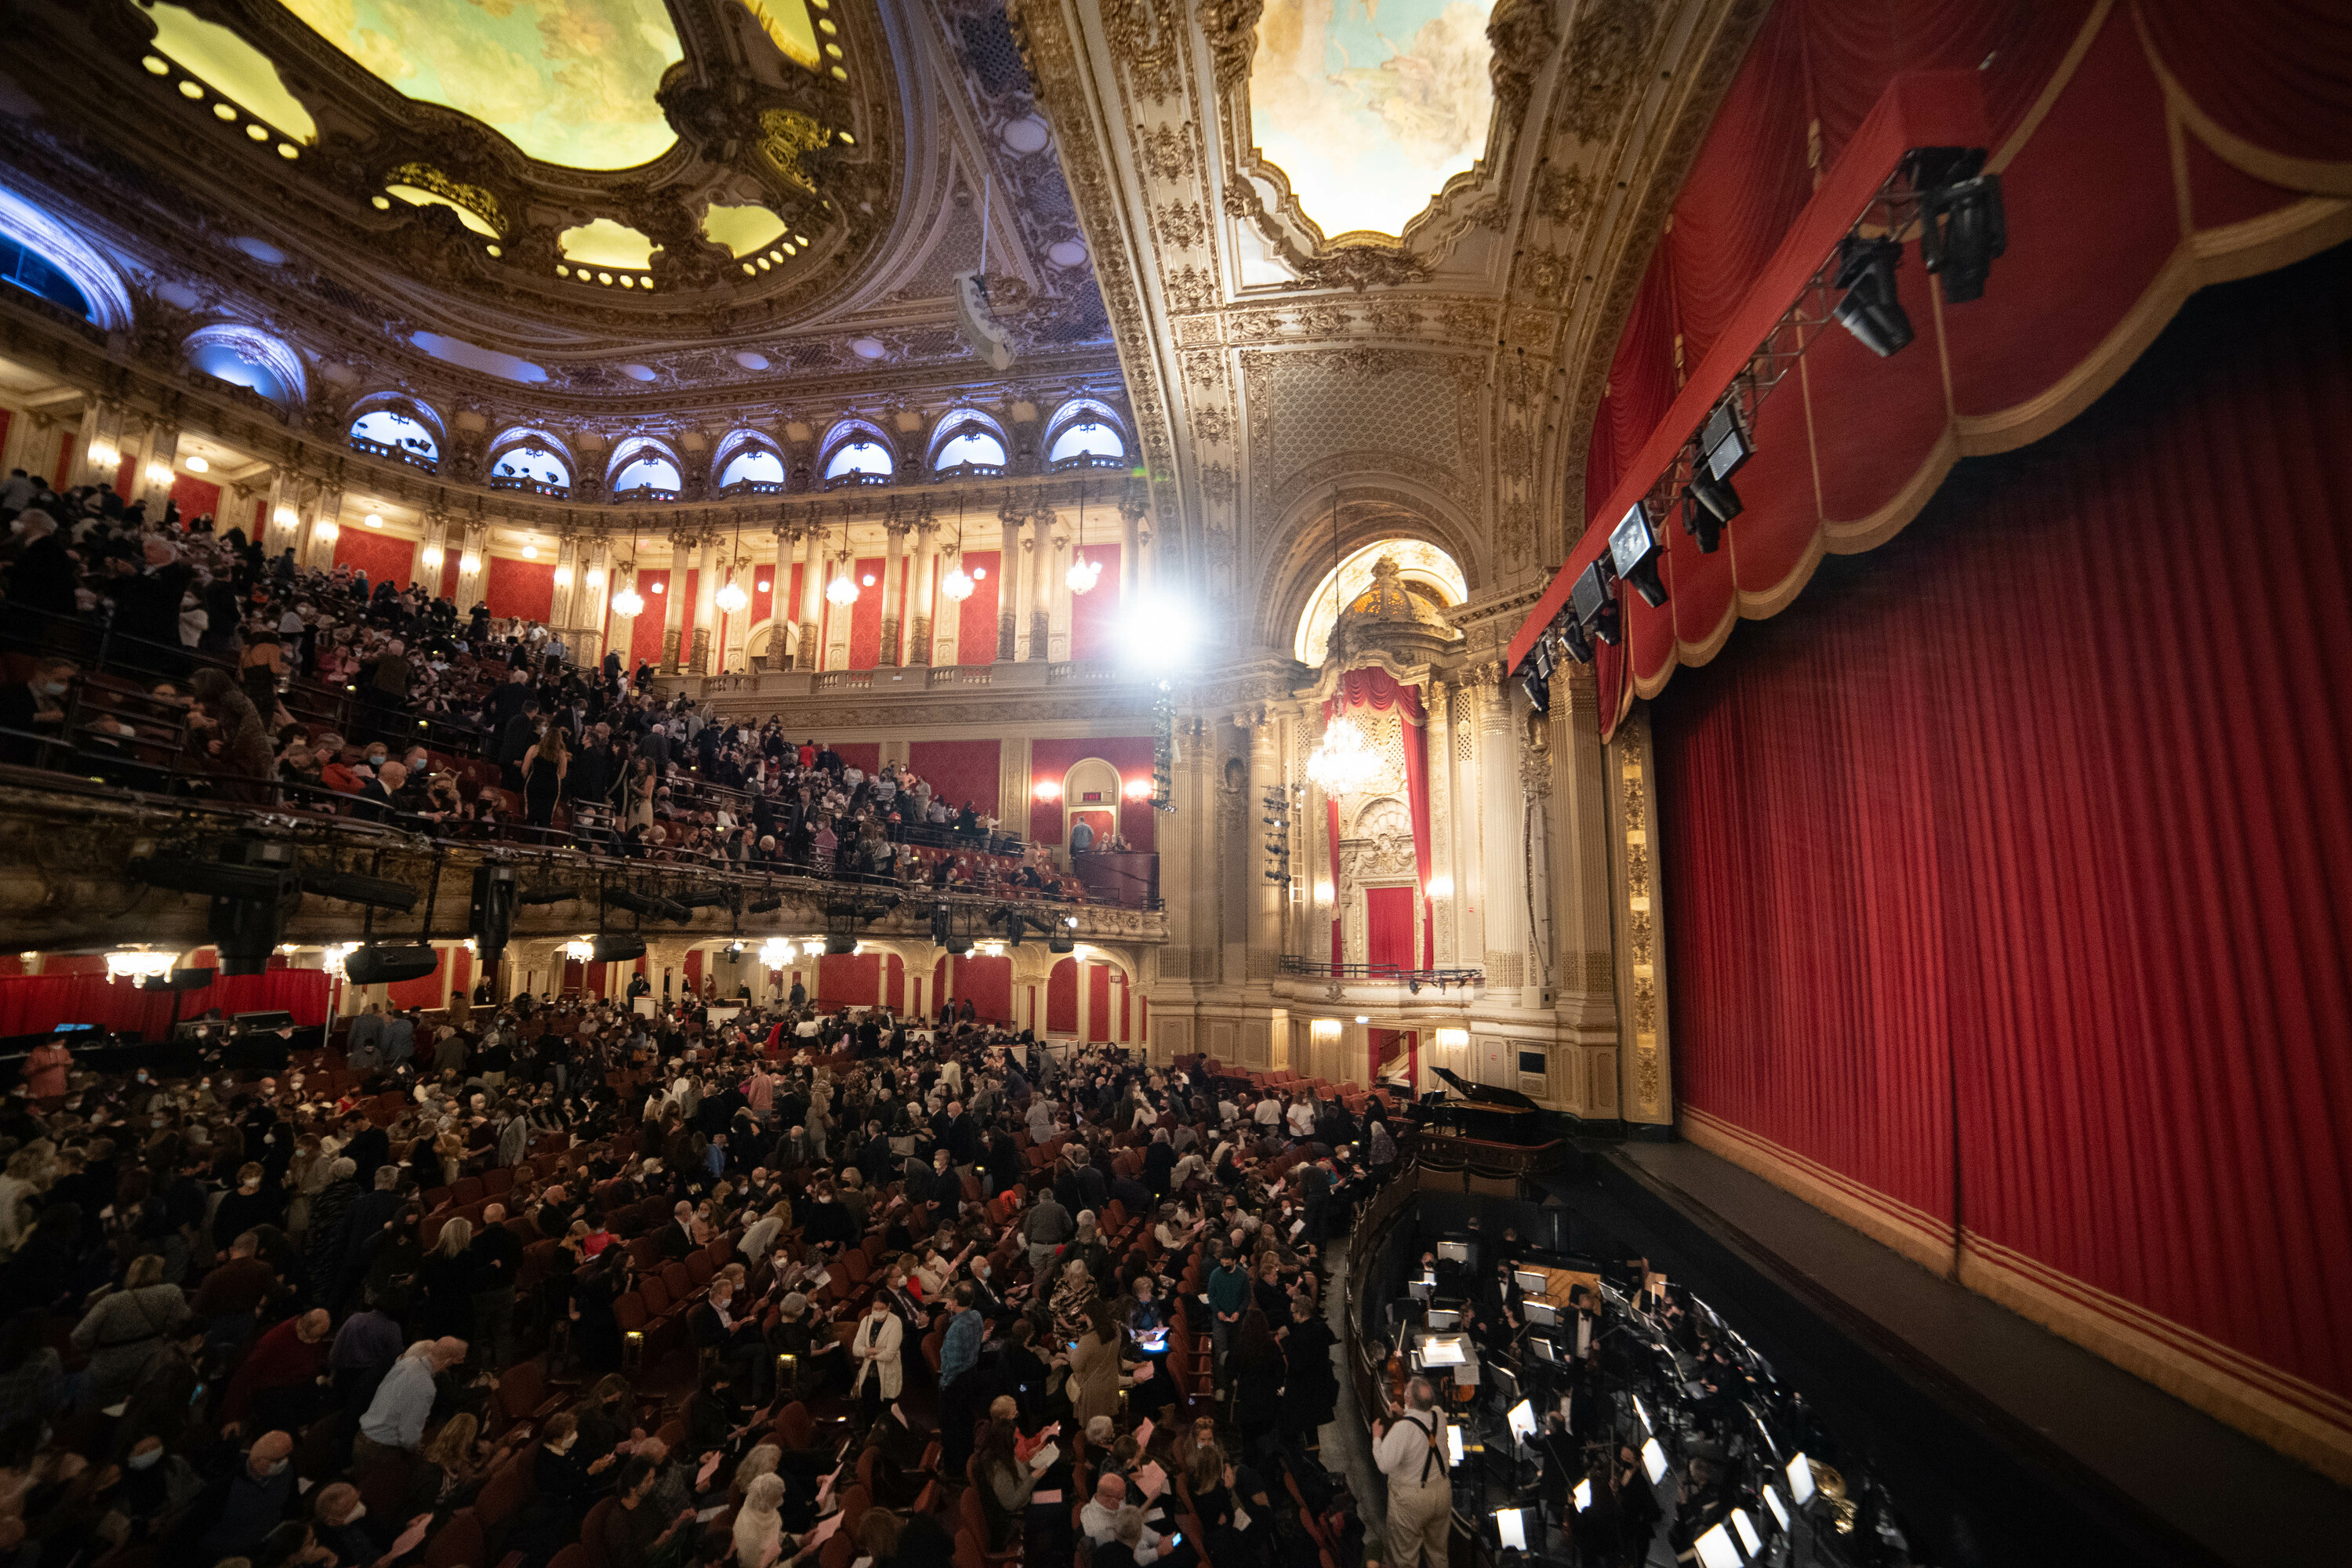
1376	690
2017	853
31	1004
2074	100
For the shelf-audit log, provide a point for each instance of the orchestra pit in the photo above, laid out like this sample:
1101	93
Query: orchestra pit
999	783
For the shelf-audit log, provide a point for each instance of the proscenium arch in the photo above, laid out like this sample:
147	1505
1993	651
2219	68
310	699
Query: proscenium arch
1372	508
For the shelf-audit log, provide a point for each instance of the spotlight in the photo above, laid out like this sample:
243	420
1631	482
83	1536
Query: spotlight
1872	309
1594	607
767	905
839	942
550	893
490	919
1633	550
1413	986
703	898
616	947
379	963
1059	940
1962	225
354	888
1537	685
652	904
1708	501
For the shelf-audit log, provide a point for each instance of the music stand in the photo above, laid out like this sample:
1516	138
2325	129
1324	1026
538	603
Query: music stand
1544	1352
1443	1317
1454	1252
1534	1281
1541	1314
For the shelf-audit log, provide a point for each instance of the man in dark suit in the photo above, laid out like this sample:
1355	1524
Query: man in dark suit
678	1236
34	707
737	1345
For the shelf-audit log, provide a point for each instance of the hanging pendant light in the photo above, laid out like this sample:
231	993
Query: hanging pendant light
957	584
628	601
1082	573
842	589
1342	764
730	597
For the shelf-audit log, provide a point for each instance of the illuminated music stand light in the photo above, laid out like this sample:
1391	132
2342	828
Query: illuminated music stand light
1653	1461
1715	1550
1453	1252
1444	1318
1521	1420
1511	1529
1800	1480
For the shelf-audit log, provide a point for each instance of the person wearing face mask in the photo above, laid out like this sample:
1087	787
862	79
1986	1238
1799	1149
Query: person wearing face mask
880	1374
155	1483
35	709
237	1513
340	1523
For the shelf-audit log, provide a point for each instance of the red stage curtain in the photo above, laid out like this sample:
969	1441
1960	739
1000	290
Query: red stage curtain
33	1002
2018	851
1388	928
1374	688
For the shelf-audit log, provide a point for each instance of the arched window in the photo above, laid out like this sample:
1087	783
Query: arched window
244	357
391	434
860	459
649	472
30	270
752	465
529	466
1085	436
971	447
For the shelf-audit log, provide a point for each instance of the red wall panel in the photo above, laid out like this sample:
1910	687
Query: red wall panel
852	977
865	615
1132	755
646	638
197	498
364	549
525	589
1094	615
1062	998
865	756
976	617
2004	874
1099	1017
959	770
989	982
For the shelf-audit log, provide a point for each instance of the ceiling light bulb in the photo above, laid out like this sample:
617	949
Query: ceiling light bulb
372	520
531	553
659	587
197	466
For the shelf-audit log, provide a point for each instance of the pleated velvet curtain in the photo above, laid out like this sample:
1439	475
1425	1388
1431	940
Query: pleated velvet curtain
2008	875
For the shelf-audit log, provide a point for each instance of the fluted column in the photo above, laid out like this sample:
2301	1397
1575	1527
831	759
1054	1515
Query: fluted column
924	594
894	566
1064	601
1265	897
699	653
324	527
163	454
673	597
1012	581
783	610
1499	818
1444	893
472	565
567	579
811	591
282	520
589	598
1044	565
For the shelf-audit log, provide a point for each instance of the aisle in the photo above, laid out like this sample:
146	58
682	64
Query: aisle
1347	1441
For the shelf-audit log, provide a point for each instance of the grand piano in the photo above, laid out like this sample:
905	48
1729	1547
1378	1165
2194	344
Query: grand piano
1485	1129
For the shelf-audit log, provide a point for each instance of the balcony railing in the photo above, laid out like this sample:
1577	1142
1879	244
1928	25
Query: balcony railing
414	460
1088	460
1382	973
530	487
855	477
972	471
642	495
752	488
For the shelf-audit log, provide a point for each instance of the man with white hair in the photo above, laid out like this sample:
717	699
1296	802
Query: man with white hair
395	1421
1412	1451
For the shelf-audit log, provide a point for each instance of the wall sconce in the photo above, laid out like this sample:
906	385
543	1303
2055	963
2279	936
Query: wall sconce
1047	789
433	556
470	563
1323	892
328	530
1440	888
1138	789
563	576
158	473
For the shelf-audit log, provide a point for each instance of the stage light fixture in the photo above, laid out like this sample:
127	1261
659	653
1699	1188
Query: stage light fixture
763	905
614	947
1708	501
1594	606
1059	940
653	904
1962	224
1873	309
552	893
1537	686
703	898
491	919
840	942
1633	550
351	887
384	963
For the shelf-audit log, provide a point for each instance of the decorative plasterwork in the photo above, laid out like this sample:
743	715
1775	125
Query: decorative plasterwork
1599	107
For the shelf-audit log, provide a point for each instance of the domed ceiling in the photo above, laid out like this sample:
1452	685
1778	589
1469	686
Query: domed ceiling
575	205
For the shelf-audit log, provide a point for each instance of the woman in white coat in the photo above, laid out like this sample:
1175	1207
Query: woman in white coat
875	1348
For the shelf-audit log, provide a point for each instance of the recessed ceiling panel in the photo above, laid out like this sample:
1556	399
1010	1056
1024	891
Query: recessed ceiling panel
1370	106
568	81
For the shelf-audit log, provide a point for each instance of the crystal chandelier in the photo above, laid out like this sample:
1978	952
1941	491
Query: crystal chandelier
1342	764
139	963
842	589
731	597
628	601
579	950
775	952
957	586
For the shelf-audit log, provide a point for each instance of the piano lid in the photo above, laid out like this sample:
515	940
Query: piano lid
1486	1094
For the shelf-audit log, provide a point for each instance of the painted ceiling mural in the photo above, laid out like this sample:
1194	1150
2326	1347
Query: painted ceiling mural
1370	106
568	81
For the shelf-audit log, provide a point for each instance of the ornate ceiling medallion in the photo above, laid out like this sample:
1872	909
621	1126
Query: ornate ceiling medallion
1365	140
785	138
